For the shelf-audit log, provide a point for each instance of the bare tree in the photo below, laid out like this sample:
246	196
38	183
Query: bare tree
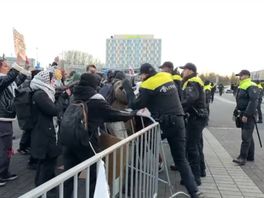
225	80
74	57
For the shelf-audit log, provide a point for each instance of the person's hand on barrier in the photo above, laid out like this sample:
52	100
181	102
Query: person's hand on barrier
144	113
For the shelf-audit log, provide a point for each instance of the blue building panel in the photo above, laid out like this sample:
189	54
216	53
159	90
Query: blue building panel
126	53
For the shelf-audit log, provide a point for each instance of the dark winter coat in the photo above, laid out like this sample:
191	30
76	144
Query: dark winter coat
99	111
247	98
44	144
7	110
159	94
193	95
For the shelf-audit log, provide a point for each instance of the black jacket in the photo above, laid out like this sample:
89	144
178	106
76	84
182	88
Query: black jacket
178	83
260	93
193	94
7	109
43	139
99	111
159	94
247	100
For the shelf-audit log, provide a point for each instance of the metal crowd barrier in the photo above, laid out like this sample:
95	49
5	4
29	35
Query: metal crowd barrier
131	169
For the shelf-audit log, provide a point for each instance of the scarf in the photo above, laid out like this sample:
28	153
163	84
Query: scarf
42	81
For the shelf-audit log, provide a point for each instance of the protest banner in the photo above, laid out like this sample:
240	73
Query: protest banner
19	43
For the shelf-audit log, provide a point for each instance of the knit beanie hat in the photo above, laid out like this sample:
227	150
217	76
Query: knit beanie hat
88	80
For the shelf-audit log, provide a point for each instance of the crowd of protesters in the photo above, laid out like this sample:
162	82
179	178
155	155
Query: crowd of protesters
179	102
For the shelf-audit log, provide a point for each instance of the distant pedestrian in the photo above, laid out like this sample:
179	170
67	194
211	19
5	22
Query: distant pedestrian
221	89
208	93
213	89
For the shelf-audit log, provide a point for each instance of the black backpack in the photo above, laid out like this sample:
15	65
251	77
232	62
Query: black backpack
23	105
74	125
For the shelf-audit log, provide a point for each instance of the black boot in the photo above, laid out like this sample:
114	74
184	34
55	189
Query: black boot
203	173
240	161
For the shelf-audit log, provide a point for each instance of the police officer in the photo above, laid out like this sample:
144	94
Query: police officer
168	67
176	77
259	102
193	103
221	89
159	94
213	89
246	99
208	92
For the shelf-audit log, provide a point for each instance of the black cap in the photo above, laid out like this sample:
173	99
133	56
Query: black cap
147	68
167	64
189	66
90	80
243	72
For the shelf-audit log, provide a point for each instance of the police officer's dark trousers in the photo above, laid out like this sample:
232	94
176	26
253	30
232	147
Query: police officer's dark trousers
259	110
194	129
176	137
247	149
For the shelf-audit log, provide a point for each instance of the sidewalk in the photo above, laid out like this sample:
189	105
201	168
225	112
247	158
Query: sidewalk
224	178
